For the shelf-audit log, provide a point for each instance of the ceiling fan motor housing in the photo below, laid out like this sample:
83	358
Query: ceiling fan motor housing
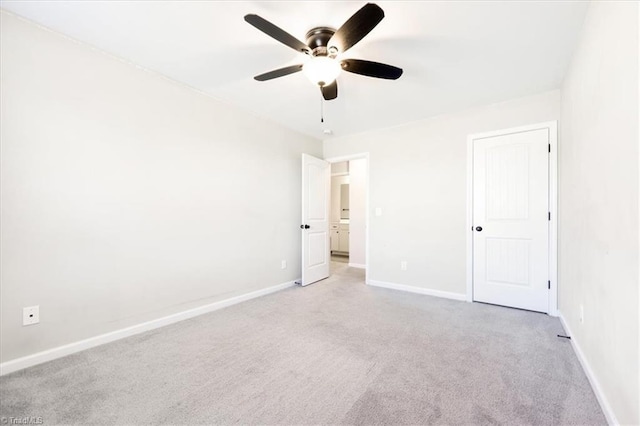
317	40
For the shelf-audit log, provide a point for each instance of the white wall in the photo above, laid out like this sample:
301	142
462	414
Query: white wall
127	197
358	211
598	193
417	176
341	167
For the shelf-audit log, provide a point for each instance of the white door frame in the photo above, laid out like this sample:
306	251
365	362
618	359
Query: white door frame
360	156
552	127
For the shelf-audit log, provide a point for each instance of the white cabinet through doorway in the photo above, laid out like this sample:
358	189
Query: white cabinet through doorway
340	238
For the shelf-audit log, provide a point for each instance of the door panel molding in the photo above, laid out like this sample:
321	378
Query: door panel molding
552	128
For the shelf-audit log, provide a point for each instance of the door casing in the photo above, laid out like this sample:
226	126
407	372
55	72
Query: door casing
552	127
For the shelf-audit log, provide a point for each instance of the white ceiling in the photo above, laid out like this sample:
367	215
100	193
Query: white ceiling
455	54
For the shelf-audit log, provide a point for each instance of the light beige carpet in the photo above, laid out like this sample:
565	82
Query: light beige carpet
335	352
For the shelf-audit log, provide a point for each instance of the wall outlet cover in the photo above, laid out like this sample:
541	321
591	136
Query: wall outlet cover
31	315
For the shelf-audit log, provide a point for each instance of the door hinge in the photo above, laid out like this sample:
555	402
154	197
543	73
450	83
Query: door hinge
549	215
549	148
549	285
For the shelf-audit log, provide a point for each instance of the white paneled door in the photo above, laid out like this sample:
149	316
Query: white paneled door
511	220
316	187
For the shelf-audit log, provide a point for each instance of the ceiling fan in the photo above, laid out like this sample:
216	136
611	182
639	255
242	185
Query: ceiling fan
324	46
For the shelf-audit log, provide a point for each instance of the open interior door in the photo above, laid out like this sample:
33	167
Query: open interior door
316	187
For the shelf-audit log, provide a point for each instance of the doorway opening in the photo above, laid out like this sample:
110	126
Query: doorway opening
348	212
351	218
340	211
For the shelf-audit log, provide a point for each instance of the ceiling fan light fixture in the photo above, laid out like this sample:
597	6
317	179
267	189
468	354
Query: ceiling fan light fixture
324	45
321	70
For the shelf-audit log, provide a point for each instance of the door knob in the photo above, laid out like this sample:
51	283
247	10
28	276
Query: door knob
304	227
478	228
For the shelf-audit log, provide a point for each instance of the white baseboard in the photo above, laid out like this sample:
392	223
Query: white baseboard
71	348
595	384
419	290
358	265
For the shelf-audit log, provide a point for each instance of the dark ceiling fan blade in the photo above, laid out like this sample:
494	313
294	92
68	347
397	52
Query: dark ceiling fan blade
330	91
277	33
356	27
280	72
371	69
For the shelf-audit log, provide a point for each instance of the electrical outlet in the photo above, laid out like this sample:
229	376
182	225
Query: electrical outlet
31	315
403	265
581	314
283	265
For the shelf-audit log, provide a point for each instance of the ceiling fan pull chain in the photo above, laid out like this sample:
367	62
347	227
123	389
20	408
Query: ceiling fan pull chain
321	109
